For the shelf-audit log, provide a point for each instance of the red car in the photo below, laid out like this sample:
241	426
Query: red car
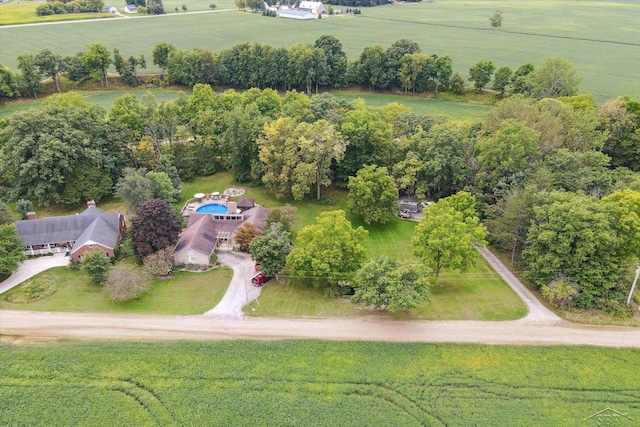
260	279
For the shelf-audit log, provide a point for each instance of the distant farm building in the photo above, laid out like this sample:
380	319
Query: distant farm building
305	10
130	8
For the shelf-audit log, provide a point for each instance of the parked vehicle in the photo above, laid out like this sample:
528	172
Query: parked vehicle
405	214
260	279
256	266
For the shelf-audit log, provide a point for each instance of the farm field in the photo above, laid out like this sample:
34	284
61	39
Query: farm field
24	12
441	108
184	293
315	383
531	31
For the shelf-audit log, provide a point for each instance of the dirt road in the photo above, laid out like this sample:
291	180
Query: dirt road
142	327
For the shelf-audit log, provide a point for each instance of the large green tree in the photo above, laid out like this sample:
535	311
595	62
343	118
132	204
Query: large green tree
373	195
96	265
556	77
42	147
480	74
51	65
328	251
573	240
30	74
446	237
335	57
271	249
97	60
391	285
11	249
510	150
161	53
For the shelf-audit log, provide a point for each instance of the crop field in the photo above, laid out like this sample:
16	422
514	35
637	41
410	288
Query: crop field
24	11
313	383
601	38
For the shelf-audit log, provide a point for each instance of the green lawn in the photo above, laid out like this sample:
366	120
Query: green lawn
532	31
441	108
478	294
184	293
313	383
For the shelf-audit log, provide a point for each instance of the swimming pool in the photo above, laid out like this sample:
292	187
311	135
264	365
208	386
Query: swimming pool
212	208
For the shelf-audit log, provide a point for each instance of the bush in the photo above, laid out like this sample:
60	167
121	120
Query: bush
245	235
213	259
560	293
126	282
31	291
159	263
96	264
23	206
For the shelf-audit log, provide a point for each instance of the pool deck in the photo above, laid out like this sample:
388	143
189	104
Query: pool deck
194	204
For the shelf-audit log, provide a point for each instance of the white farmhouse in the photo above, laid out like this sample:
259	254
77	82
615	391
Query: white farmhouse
315	7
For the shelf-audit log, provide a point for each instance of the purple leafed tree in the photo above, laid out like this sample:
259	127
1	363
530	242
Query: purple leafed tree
154	227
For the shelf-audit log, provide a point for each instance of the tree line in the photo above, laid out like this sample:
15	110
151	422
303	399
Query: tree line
304	67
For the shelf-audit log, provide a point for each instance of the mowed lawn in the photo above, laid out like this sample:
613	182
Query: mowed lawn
184	293
313	383
532	30
24	12
478	294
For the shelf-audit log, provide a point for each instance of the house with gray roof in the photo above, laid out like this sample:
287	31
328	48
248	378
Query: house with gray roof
75	234
206	233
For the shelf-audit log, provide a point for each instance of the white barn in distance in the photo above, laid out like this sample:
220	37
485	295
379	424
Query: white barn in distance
315	7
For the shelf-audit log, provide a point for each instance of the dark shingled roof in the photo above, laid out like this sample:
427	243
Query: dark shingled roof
200	234
257	216
91	225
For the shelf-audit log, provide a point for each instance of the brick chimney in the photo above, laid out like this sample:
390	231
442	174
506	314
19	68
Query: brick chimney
91	203
31	215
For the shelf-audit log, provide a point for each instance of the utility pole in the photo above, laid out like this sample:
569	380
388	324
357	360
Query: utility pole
633	287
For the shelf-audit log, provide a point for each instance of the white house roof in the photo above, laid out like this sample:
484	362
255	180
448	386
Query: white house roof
310	5
296	14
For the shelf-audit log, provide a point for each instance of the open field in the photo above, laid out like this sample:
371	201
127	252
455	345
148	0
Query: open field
441	108
478	294
184	293
532	31
315	383
24	12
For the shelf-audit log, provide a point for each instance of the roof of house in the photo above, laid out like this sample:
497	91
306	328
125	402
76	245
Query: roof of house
310	5
202	231
200	235
299	14
257	216
92	224
131	8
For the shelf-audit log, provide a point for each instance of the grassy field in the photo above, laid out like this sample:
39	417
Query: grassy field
478	294
24	12
532	31
184	293
441	108
314	383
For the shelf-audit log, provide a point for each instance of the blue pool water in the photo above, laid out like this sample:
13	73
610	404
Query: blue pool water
212	208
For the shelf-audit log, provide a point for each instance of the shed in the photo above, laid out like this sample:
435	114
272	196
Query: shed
409	206
246	203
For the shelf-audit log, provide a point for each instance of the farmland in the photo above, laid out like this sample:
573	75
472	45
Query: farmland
531	32
312	383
